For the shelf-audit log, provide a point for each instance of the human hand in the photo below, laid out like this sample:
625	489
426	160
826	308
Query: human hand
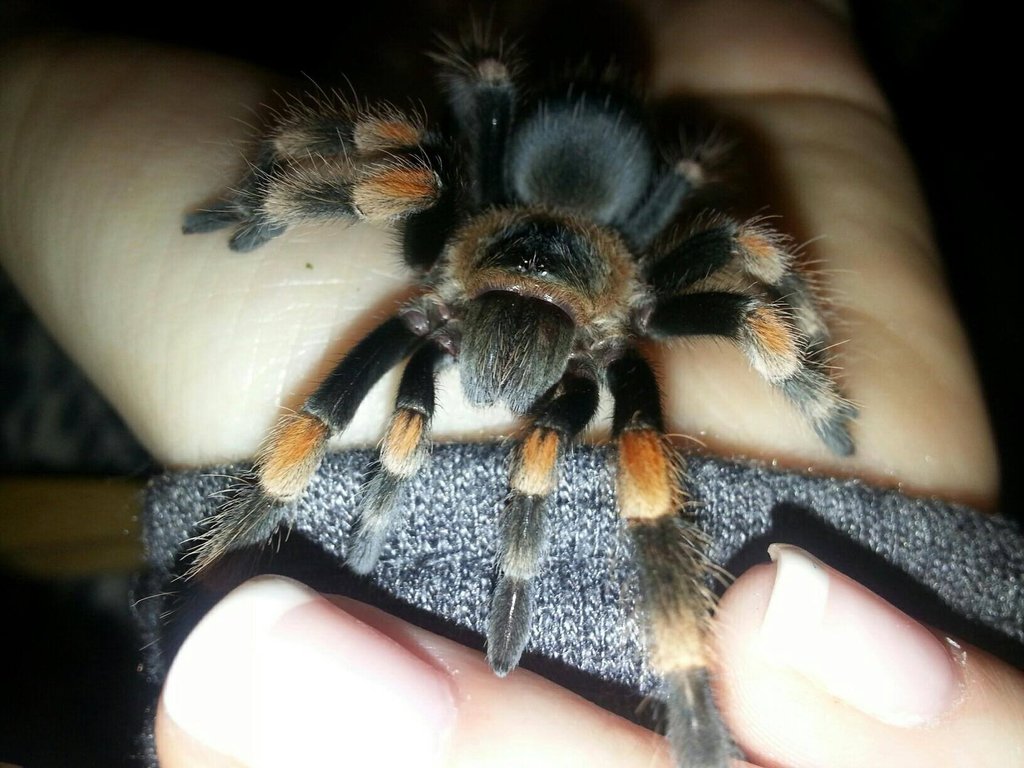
197	348
812	670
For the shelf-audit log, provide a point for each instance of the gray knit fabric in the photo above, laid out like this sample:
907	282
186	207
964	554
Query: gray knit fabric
945	564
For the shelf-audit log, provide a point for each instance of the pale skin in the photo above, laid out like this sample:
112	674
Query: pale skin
106	148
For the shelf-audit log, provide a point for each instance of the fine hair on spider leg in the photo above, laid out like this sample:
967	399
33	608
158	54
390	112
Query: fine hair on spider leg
673	572
552	235
404	450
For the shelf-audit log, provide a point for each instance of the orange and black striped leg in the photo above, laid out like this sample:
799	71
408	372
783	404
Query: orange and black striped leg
323	129
814	393
554	423
381	190
402	454
673	565
331	160
297	444
796	294
754	249
774	347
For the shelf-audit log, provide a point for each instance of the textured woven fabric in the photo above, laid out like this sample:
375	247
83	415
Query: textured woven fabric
947	565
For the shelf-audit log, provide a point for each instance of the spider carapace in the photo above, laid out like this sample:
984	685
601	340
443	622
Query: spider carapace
544	228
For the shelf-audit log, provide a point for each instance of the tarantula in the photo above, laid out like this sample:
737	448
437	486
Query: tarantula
543	227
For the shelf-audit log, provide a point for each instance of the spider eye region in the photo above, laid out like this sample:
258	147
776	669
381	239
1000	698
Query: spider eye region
546	249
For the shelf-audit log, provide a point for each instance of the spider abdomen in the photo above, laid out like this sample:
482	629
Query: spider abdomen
580	157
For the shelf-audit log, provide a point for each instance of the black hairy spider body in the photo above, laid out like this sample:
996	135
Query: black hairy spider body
545	231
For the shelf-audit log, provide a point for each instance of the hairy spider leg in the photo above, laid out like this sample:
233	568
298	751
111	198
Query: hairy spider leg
795	292
769	341
670	187
242	206
664	200
403	452
297	444
673	564
554	423
773	320
755	249
478	74
328	159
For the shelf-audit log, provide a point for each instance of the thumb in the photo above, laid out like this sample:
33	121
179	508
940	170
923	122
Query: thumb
815	670
278	675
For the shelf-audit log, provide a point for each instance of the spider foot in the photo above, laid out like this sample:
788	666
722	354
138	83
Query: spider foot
248	519
699	737
377	512
252	234
830	415
223	214
508	624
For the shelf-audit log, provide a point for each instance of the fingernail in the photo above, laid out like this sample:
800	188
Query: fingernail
277	675
854	644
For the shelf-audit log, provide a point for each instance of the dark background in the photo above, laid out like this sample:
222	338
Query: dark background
74	697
